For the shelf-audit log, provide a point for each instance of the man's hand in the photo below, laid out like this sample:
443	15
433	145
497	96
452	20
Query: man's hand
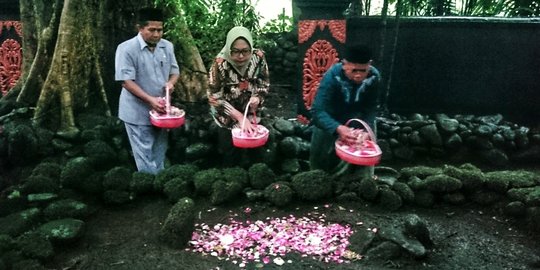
346	134
169	85
157	104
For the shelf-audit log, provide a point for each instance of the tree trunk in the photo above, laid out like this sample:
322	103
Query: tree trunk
193	75
68	67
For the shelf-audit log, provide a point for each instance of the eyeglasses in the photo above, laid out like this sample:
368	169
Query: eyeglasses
236	52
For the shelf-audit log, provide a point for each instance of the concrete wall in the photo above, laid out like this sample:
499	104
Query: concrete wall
459	65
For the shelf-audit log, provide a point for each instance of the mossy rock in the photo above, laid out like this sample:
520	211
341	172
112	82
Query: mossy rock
419	171
442	183
236	174
41	184
404	191
261	175
312	185
117	178
472	179
185	171
18	223
530	196
35	245
67	208
63	231
203	180
501	181
279	194
223	191
367	189
515	209
47	169
178	188
389	199
142	183
180	224
75	173
6	243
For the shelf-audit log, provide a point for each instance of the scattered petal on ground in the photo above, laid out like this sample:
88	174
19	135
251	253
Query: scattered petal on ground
268	241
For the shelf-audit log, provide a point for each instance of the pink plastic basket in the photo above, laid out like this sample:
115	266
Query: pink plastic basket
368	154
167	120
243	140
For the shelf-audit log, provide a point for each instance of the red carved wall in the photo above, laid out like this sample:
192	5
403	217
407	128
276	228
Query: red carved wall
319	55
10	54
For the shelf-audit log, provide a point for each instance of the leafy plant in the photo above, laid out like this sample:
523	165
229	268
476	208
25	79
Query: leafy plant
283	23
208	22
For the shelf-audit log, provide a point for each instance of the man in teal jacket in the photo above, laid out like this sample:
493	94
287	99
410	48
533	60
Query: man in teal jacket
349	89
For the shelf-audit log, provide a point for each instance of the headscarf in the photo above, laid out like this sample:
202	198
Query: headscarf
232	36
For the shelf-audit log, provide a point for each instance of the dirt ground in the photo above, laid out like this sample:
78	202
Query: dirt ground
465	237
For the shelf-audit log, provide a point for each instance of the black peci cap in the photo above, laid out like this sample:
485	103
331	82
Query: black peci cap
358	53
150	14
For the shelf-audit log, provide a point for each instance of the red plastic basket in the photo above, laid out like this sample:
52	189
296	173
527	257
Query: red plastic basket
369	154
243	140
167	120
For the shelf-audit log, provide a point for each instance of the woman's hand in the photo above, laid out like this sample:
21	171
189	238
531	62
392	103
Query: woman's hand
254	103
212	100
249	127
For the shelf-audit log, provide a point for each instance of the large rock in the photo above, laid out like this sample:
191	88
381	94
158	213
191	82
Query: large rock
180	224
18	223
63	231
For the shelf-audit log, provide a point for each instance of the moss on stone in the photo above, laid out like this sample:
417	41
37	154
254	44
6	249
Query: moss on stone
186	171
472	180
203	180
180	224
261	175
389	199
117	178
419	171
442	183
279	193
404	191
142	182
312	185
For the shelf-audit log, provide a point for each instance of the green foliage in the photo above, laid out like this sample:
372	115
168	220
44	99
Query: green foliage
283	23
208	22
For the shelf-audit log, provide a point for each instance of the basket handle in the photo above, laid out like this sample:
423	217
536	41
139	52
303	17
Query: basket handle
167	100
366	126
245	115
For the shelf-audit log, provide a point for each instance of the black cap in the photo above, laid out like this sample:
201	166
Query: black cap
358	53
150	14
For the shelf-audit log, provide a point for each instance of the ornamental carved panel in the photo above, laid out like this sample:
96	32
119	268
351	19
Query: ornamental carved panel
317	60
10	55
306	28
10	64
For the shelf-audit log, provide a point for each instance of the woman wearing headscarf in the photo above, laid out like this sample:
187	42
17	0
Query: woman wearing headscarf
238	76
